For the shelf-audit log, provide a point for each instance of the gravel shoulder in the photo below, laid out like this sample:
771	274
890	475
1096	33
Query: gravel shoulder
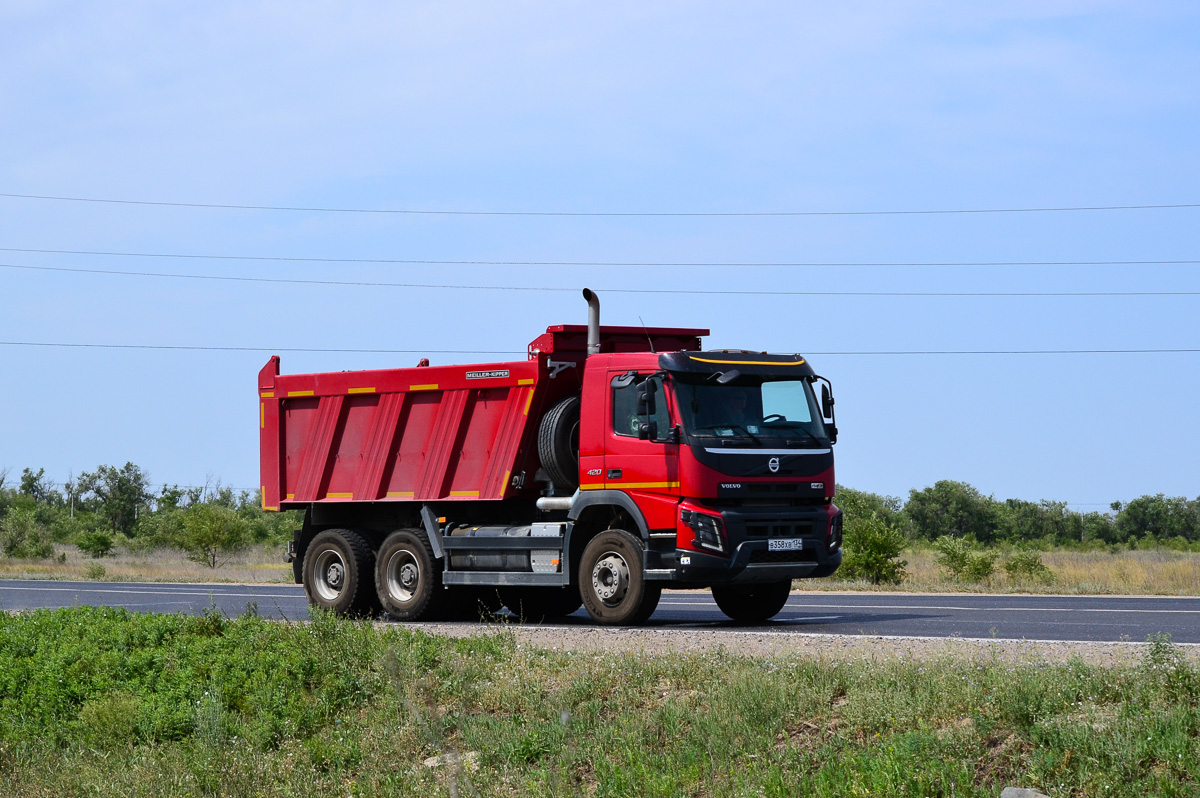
770	644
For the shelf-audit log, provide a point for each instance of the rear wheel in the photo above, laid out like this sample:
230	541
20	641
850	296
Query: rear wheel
338	565
407	579
611	582
537	604
752	603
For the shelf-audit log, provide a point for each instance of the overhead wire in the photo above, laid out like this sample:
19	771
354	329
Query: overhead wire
461	262
612	290
705	214
884	353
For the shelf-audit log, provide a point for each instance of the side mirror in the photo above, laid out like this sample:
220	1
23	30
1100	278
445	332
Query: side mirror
646	405
727	377
826	402
648	430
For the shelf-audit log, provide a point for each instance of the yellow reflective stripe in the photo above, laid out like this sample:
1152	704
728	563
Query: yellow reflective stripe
291	496
339	495
400	494
465	493
526	382
263	496
529	403
642	485
432	387
361	390
267	394
300	393
748	362
262	415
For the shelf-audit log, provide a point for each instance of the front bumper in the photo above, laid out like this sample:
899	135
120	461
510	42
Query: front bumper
748	533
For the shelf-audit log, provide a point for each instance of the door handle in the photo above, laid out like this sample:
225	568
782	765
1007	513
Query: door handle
614	473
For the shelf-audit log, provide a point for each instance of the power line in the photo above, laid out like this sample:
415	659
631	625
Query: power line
881	353
433	262
688	291
260	349
444	212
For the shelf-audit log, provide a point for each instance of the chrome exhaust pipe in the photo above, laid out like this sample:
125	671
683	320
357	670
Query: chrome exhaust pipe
593	339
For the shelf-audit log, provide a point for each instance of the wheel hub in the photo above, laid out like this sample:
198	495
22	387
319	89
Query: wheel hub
403	576
610	578
329	575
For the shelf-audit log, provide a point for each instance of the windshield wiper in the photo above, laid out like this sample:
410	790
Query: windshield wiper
747	433
793	425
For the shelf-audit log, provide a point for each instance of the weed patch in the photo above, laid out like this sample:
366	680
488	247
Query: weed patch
102	701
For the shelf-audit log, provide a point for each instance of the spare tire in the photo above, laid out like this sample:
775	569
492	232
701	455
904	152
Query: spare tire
558	443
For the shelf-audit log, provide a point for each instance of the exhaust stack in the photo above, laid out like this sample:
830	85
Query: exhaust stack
593	339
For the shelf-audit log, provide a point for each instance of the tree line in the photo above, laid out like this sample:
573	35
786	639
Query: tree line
959	510
113	506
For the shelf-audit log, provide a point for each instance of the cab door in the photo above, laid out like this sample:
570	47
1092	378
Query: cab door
645	468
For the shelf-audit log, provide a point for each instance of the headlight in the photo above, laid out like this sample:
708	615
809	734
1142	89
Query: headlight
833	538
709	531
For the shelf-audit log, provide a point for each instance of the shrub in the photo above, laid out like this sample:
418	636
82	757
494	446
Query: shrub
872	551
94	571
95	544
963	562
22	536
211	533
1028	565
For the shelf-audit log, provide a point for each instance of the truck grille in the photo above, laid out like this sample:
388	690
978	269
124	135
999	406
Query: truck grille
778	530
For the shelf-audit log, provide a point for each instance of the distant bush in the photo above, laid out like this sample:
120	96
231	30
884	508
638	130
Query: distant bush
94	571
22	536
963	560
872	550
95	544
1028	565
211	533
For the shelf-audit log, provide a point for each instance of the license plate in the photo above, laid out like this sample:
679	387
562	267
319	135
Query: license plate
785	544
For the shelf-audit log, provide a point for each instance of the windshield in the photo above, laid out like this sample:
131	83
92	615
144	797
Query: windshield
768	409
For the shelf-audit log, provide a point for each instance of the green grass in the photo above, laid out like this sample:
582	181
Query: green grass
104	702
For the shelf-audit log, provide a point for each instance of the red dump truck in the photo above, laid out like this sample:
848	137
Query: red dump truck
610	464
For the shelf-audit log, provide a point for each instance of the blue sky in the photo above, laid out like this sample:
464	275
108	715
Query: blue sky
694	107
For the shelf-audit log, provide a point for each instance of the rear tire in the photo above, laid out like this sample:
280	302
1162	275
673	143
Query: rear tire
407	577
338	567
558	443
752	603
537	604
614	589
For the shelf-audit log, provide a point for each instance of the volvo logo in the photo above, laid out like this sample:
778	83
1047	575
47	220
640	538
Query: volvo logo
773	464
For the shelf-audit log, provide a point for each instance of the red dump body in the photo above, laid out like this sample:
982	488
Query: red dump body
444	433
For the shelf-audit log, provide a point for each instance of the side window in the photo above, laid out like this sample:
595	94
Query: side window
625	418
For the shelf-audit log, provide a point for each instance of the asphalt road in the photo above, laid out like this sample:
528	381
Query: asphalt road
1075	618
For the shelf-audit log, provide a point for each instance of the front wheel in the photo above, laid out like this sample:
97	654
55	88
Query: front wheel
611	582
752	603
406	578
337	572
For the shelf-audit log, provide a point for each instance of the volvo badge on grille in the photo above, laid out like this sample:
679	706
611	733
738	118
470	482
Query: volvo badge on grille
773	464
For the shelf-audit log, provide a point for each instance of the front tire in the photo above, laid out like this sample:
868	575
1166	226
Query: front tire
407	578
752	603
611	582
338	566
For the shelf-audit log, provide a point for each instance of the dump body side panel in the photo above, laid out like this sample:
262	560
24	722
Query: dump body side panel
432	433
